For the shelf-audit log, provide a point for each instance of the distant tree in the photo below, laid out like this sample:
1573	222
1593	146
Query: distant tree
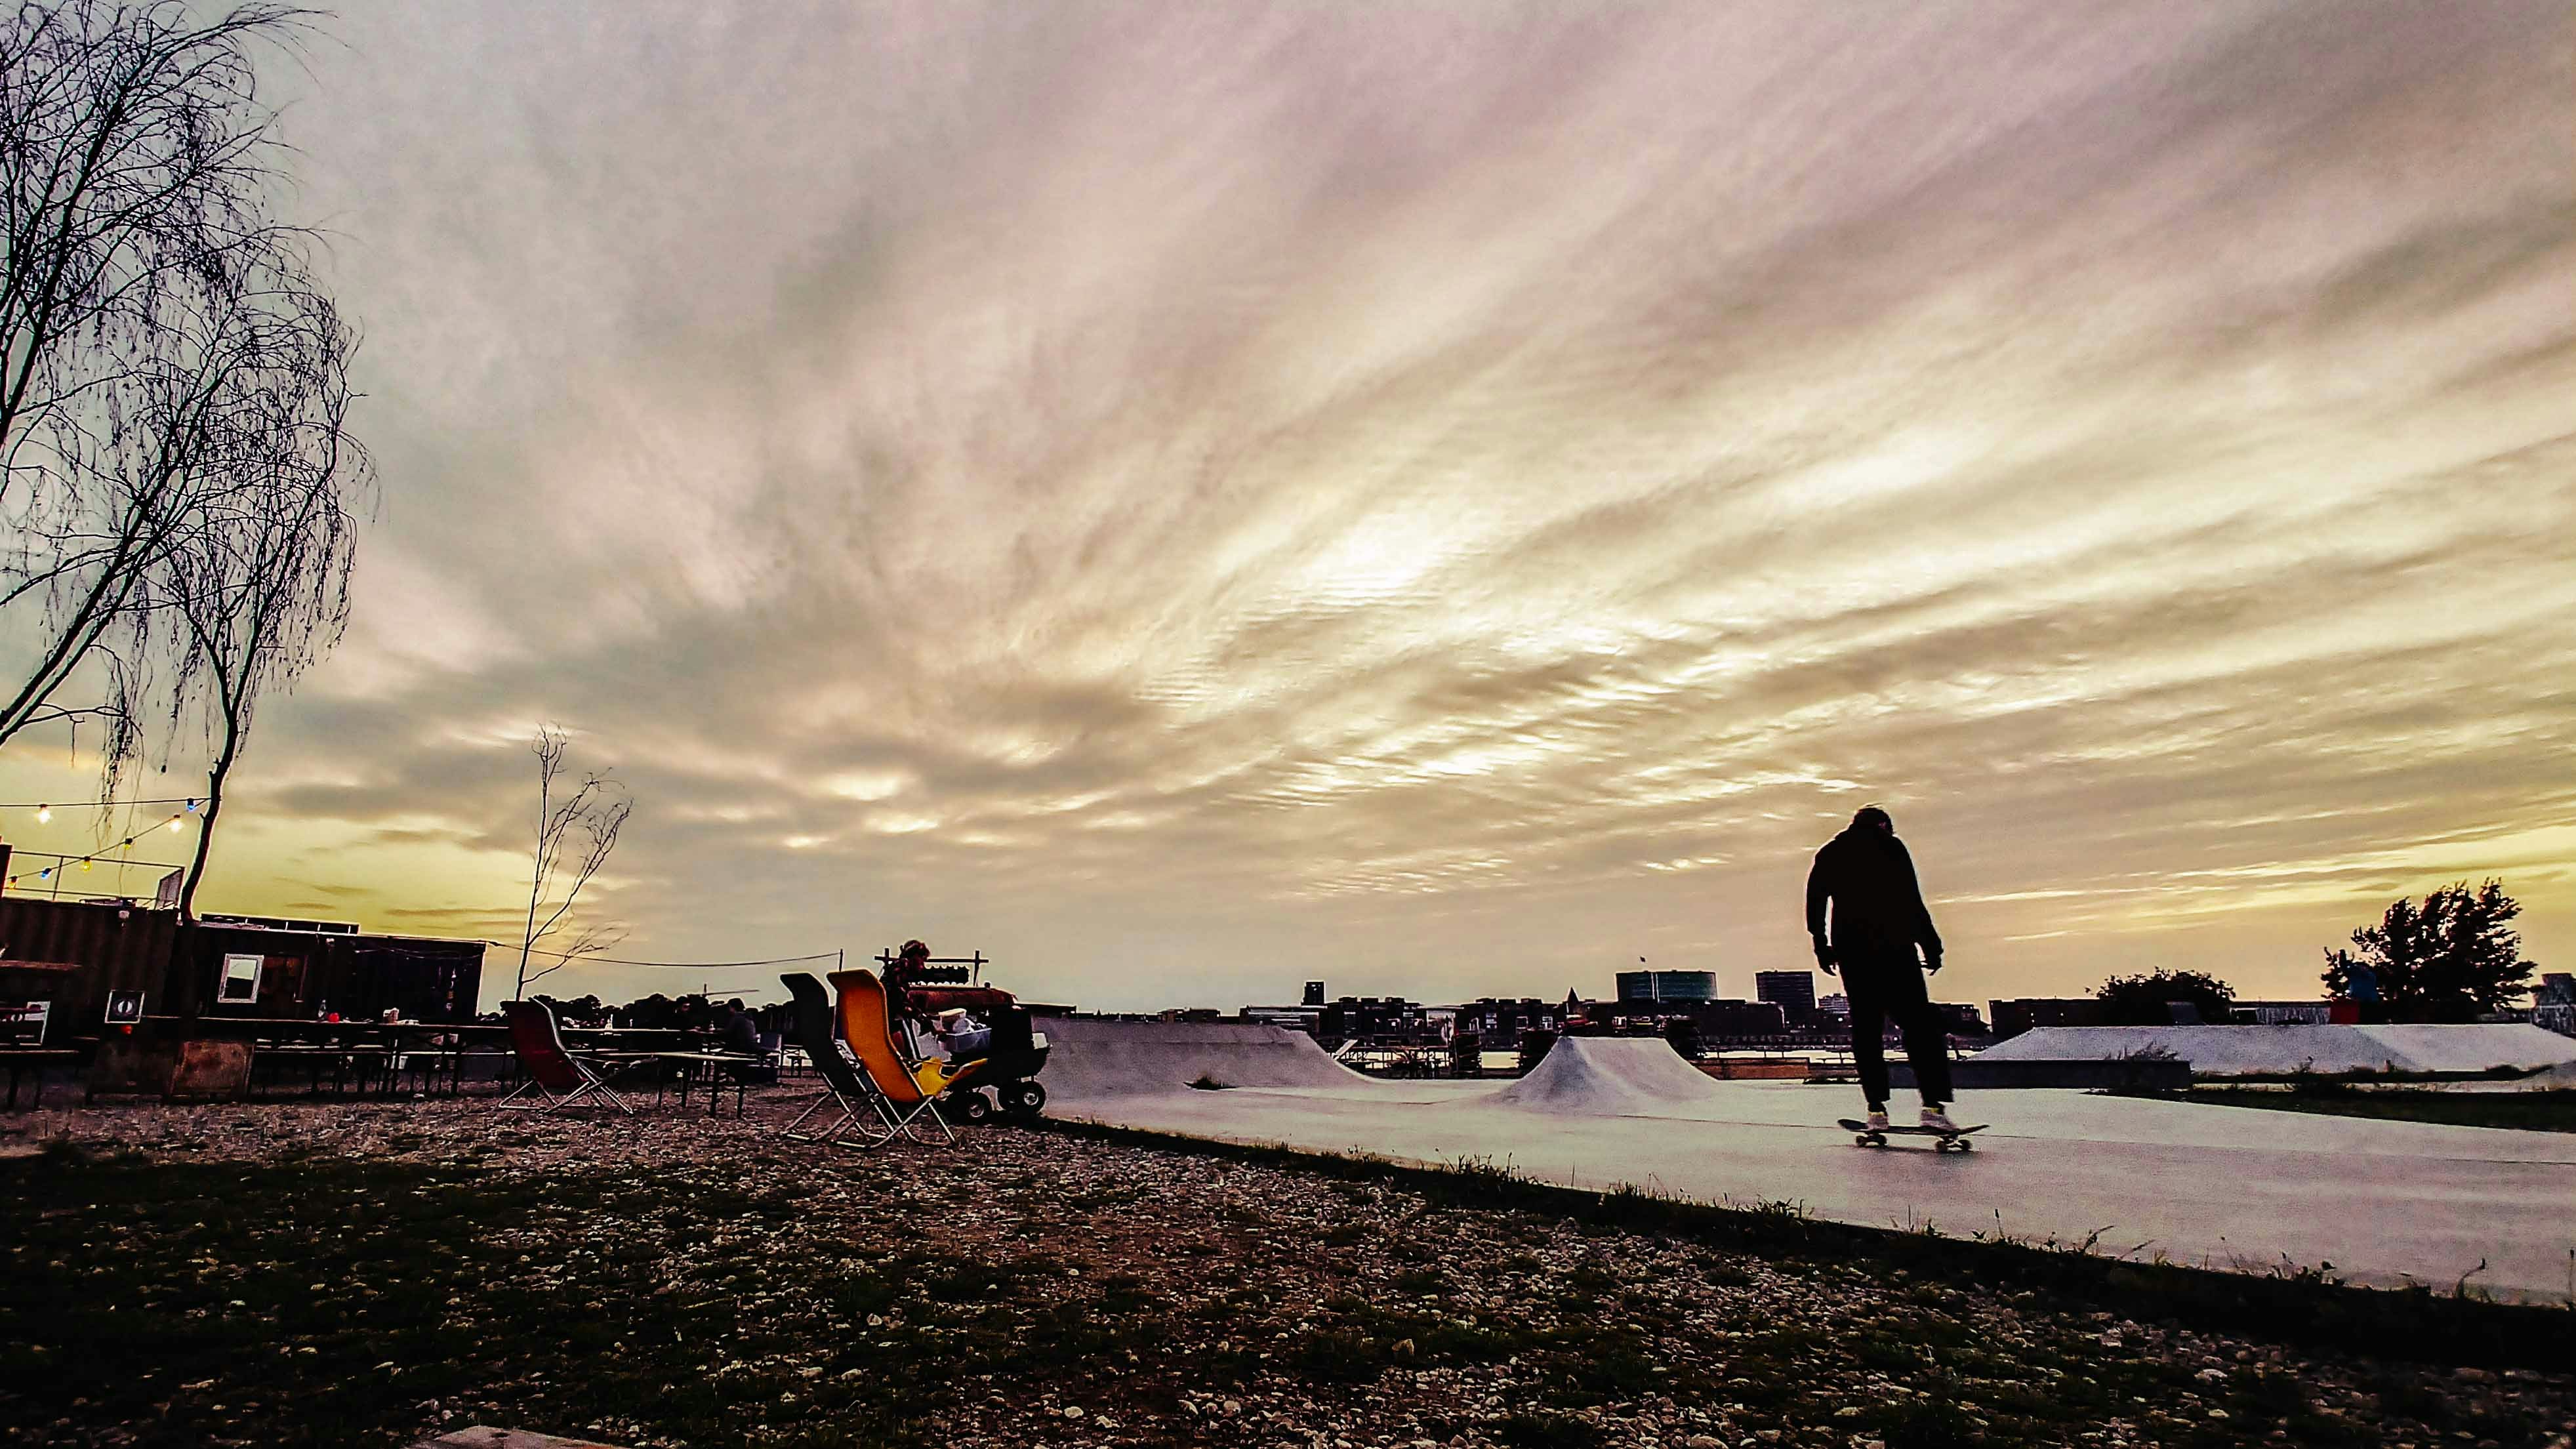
580	1011
2449	959
577	827
655	1010
2147	1000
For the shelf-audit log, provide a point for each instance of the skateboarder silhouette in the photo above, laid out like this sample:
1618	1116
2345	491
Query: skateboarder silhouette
1878	924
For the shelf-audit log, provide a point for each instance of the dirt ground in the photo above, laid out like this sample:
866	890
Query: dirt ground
370	1274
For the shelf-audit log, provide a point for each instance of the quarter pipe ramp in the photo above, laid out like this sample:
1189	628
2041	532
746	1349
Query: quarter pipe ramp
1093	1057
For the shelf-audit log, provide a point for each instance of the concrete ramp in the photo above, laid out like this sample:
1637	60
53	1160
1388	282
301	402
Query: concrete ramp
1609	1076
2236	1050
1090	1058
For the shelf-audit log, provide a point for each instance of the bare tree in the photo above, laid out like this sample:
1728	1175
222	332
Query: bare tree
576	830
144	290
260	582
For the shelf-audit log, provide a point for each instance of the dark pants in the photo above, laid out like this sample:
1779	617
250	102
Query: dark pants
1884	991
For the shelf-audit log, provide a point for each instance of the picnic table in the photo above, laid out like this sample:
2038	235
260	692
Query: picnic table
688	1070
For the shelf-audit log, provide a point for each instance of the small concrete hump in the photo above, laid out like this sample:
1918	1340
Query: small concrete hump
1609	1076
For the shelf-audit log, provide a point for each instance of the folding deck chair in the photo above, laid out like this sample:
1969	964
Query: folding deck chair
905	1094
810	1027
554	1073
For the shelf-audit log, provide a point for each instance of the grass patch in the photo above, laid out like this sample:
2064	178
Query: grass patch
328	1301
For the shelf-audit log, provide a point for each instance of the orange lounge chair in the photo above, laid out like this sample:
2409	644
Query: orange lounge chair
908	1093
862	1107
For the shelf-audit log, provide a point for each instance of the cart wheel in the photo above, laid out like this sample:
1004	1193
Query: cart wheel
974	1107
1027	1098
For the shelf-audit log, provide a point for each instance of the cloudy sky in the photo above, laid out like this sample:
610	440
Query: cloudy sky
1447	499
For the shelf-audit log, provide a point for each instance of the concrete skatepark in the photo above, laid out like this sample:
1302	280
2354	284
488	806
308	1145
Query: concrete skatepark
2245	1050
2386	1203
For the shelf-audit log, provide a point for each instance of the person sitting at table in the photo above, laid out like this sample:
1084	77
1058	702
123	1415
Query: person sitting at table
962	1037
736	1030
740	1033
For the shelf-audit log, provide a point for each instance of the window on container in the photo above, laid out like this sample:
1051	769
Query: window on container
241	979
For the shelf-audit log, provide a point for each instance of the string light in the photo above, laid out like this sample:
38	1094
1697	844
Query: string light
44	815
41	808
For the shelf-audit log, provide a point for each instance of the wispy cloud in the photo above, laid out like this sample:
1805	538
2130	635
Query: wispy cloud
1447	499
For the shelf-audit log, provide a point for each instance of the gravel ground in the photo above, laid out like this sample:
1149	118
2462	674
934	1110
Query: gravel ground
685	1280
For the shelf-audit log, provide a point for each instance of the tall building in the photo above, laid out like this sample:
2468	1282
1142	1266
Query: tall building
1792	991
1667	986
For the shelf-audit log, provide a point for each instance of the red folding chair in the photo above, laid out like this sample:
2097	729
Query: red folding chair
557	1077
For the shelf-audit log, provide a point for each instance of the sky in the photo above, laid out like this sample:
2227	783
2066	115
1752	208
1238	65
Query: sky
1446	500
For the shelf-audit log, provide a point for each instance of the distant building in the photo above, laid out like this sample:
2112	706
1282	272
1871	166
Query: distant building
1499	1022
1961	1017
2281	1013
1720	1021
1836	1005
1794	992
2012	1018
1294	1018
1377	1020
1667	986
2554	1004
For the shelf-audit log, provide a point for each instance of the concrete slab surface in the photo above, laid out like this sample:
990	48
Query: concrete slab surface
2234	1050
2386	1203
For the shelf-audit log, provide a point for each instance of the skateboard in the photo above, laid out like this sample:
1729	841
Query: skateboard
1862	1136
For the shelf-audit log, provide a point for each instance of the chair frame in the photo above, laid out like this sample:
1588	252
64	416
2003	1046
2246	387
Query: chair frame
844	1085
901	1097
539	1043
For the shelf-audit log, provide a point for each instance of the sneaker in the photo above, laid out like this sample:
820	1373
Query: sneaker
1878	1121
1936	1120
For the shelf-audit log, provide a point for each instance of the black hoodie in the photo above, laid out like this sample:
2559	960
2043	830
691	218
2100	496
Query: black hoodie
1878	908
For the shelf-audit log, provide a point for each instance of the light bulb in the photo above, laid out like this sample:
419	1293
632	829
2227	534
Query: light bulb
174	825
192	807
44	814
84	865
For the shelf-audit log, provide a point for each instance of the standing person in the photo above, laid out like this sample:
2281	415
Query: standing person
901	975
1879	922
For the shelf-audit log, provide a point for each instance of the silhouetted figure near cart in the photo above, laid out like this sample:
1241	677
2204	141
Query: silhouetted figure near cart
902	974
1879	923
